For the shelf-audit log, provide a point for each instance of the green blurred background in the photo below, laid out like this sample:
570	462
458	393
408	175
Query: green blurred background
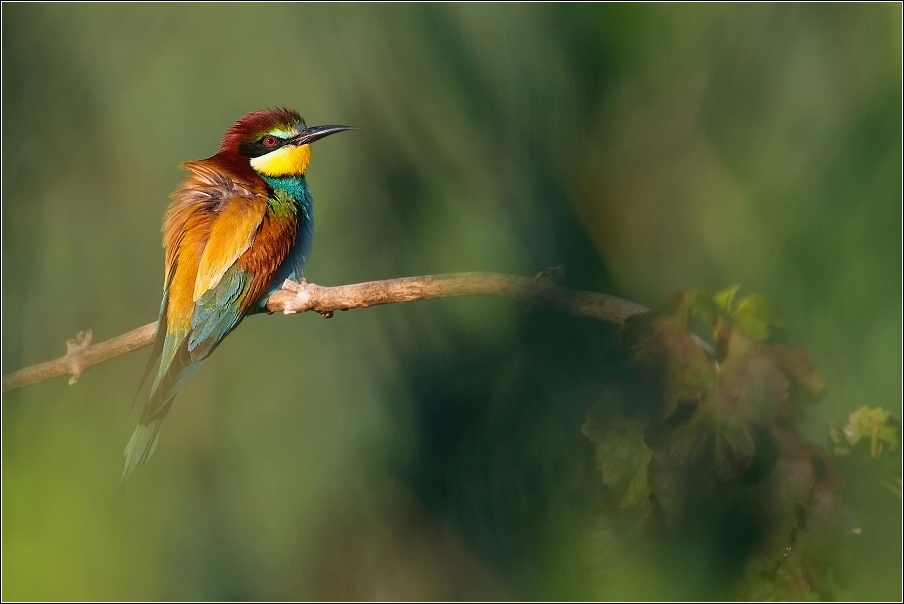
430	450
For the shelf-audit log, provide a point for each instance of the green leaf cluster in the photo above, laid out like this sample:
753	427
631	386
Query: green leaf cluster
875	425
865	443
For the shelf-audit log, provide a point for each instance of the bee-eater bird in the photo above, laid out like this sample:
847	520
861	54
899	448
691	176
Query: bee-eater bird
239	226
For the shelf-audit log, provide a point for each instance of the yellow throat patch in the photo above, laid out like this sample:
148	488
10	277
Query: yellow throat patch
285	161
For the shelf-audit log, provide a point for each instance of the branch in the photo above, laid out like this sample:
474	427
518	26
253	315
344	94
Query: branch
301	297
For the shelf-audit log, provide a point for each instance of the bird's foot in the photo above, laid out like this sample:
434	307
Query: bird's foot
302	296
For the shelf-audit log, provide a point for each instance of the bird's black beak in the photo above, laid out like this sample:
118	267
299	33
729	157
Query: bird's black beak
309	135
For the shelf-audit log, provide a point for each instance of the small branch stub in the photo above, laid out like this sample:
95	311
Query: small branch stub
81	355
74	348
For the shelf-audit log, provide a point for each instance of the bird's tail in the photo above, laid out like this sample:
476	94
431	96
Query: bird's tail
141	446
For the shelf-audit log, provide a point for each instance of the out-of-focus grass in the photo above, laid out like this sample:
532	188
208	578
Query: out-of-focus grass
430	450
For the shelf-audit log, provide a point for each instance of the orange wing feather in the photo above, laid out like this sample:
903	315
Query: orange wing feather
211	222
230	236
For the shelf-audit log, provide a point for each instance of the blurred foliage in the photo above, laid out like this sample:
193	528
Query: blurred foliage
434	450
752	315
710	451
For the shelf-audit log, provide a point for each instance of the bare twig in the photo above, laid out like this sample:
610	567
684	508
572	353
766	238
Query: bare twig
304	296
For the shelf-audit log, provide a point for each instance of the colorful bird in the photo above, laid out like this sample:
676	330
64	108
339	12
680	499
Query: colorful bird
239	226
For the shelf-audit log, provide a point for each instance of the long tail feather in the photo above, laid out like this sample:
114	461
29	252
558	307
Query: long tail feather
157	350
152	361
141	446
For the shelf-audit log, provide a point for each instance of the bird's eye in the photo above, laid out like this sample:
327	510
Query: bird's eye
270	141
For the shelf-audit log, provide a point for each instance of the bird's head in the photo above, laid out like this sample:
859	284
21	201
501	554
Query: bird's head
276	142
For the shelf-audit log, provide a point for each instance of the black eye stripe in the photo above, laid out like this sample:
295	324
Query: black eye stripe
258	148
